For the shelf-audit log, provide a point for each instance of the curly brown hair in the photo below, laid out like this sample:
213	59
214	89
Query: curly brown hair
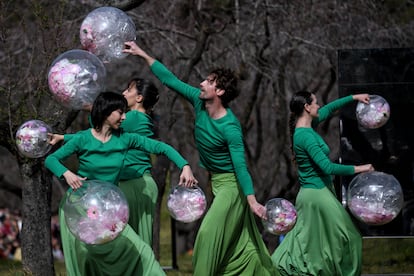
227	80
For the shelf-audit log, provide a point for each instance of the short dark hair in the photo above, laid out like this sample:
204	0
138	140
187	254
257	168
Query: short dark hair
104	105
227	80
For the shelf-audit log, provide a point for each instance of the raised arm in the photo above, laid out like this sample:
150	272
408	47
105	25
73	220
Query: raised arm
132	48
166	77
327	110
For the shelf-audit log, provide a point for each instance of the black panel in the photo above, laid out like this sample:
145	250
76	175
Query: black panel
389	73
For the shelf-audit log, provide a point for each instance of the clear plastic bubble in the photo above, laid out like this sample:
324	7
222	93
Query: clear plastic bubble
32	139
97	212
375	198
104	31
76	77
375	114
186	204
281	216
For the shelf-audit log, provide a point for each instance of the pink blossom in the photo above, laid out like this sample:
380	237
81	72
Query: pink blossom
93	212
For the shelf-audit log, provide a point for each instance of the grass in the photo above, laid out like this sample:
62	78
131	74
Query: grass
380	256
388	255
384	255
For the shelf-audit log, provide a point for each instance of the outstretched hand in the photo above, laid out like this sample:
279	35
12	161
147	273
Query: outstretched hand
53	138
364	168
132	48
364	98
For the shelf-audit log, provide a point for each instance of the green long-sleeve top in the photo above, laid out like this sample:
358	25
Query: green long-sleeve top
219	141
136	162
103	161
315	169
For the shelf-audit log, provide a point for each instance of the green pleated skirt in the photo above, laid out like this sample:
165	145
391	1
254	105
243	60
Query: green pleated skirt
126	255
141	194
324	240
228	241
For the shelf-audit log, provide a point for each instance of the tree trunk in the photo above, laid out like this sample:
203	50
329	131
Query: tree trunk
36	214
159	173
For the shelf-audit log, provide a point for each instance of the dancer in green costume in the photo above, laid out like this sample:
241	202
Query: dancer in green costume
136	180
100	151
228	241
324	240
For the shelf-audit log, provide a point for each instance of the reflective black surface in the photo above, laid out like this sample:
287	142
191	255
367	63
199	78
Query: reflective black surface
390	74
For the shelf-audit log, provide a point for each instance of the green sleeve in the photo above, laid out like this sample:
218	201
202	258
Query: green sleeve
54	161
237	153
170	80
156	147
67	137
311	146
327	110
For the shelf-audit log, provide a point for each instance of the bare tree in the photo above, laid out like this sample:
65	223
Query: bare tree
32	34
277	47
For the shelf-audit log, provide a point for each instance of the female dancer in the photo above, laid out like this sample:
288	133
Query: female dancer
101	151
136	180
324	240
